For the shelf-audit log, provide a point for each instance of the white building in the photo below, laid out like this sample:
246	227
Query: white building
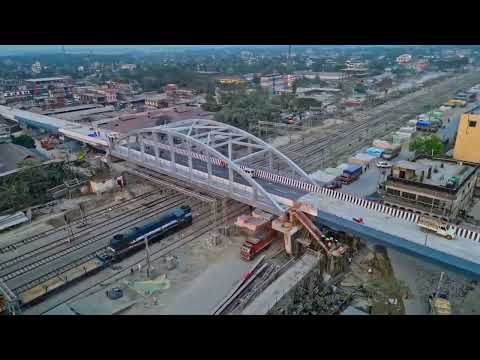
129	67
36	67
404	59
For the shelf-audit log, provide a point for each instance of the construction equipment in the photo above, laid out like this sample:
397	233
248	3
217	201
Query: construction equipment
438	301
438	226
308	224
455	103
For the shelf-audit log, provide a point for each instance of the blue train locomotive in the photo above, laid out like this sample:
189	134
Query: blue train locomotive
124	243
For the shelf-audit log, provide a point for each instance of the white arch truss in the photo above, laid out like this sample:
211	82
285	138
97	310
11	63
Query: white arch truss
175	147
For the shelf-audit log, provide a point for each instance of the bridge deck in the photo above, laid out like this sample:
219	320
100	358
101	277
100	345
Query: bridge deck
461	254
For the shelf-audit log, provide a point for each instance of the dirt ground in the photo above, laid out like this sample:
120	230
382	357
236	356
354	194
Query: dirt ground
202	277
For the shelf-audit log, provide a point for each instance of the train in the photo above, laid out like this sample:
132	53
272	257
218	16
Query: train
120	246
123	244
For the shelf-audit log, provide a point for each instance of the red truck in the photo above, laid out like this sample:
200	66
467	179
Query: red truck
254	245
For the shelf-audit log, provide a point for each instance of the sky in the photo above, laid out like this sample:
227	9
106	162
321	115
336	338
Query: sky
38	49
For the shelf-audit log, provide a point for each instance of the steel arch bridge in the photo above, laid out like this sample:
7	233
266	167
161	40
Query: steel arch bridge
211	155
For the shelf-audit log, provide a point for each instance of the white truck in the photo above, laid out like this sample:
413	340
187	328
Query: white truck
436	225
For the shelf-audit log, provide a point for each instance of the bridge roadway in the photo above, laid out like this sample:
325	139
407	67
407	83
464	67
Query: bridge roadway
69	129
461	254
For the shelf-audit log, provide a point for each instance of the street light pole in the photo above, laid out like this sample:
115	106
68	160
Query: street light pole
147	256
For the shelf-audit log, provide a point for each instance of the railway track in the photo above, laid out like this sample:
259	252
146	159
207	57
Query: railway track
96	239
202	225
77	221
98	250
83	231
342	141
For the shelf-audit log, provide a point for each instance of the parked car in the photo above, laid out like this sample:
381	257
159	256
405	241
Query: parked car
333	185
383	164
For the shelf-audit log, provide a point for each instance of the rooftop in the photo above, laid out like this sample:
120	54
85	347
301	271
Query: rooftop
154	118
442	171
11	154
474	111
410	165
47	79
156	97
70	109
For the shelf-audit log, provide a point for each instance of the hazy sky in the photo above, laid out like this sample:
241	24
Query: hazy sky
19	49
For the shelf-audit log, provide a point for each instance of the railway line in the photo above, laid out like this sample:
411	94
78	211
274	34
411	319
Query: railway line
90	253
66	239
313	150
75	222
91	245
201	226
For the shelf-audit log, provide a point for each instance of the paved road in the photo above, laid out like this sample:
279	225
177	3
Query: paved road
461	254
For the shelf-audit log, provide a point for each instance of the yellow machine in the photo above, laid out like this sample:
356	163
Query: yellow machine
455	103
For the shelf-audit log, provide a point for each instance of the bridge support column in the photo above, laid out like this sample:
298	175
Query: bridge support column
155	148
190	163
209	168
172	152
230	170
142	148
289	231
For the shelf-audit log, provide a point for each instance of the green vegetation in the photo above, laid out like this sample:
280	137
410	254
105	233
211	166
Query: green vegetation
245	109
29	187
211	104
428	145
24	140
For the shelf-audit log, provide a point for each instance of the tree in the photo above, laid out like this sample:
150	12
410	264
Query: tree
24	140
294	87
428	145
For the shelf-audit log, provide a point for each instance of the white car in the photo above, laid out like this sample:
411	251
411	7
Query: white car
384	164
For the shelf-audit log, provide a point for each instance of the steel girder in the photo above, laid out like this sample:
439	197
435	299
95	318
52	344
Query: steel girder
232	146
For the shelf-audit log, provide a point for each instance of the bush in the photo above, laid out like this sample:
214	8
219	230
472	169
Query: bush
24	140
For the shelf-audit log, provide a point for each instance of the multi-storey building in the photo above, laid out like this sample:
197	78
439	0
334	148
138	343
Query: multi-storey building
437	187
468	137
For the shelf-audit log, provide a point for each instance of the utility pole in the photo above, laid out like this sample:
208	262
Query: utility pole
439	283
147	256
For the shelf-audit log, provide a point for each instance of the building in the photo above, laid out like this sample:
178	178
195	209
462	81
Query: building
52	91
436	187
468	137
158	101
422	65
404	59
277	83
129	67
15	96
36	67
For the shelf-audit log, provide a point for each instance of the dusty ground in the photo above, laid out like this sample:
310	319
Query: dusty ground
422	279
203	276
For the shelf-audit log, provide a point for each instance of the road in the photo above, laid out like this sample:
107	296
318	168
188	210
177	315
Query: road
461	254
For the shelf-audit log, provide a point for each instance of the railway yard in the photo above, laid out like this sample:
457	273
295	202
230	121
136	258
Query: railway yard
334	143
62	259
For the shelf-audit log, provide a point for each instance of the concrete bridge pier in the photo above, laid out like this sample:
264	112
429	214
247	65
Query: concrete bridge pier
289	232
